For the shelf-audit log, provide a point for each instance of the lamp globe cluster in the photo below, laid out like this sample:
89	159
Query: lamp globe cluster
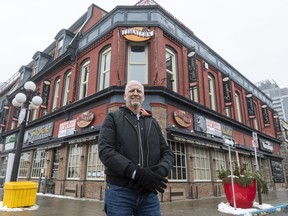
21	98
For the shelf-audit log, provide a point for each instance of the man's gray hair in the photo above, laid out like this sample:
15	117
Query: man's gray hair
131	82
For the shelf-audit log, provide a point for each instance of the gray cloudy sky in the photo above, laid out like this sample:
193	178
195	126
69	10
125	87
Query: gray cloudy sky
252	35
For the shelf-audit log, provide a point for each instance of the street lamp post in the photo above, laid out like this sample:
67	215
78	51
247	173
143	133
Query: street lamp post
27	100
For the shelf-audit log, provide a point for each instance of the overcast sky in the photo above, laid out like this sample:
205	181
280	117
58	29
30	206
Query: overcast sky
252	35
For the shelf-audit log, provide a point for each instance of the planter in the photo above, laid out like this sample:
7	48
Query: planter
244	196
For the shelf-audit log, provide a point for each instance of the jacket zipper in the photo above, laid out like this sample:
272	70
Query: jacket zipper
140	149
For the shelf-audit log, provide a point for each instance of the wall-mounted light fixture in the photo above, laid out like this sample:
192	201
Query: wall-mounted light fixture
249	95
47	82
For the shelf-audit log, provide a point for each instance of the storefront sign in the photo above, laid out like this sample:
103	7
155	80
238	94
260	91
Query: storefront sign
67	128
277	171
214	128
183	118
85	119
265	145
227	91
227	131
10	142
250	107
192	70
265	116
137	34
38	133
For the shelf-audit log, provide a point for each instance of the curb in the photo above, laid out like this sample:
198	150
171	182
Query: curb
274	209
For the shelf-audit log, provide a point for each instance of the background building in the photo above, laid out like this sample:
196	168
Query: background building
199	99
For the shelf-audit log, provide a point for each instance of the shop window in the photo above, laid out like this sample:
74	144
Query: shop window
138	63
3	168
220	162
24	165
201	164
74	161
39	164
247	163
179	171
95	168
212	92
66	88
105	69
171	70
84	76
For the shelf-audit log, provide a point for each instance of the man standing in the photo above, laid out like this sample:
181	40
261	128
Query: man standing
136	156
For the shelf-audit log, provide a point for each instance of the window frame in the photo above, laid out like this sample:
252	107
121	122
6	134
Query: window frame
66	87
142	64
84	79
171	83
97	168
212	92
105	73
56	94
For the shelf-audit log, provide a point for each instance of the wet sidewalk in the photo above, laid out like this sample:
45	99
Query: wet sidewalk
63	206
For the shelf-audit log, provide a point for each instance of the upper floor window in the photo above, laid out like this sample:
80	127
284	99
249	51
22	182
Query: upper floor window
35	67
138	63
56	94
212	92
66	88
238	107
59	47
105	69
171	73
84	76
194	93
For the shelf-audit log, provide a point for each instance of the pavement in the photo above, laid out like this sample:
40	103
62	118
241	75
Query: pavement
66	206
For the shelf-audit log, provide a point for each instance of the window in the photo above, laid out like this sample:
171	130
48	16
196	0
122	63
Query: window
228	111
24	165
35	67
59	47
179	171
74	161
66	88
3	167
194	93
56	94
84	76
238	107
220	162
138	63
171	77
201	164
247	163
212	92
95	168
39	165
105	69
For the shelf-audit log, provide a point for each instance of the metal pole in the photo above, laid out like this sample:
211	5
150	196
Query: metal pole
257	185
232	177
19	145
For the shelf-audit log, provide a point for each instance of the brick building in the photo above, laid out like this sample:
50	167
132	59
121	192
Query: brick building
199	99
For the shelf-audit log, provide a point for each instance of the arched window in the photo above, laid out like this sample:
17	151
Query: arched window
171	70
105	61
66	88
56	94
238	107
212	92
84	77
